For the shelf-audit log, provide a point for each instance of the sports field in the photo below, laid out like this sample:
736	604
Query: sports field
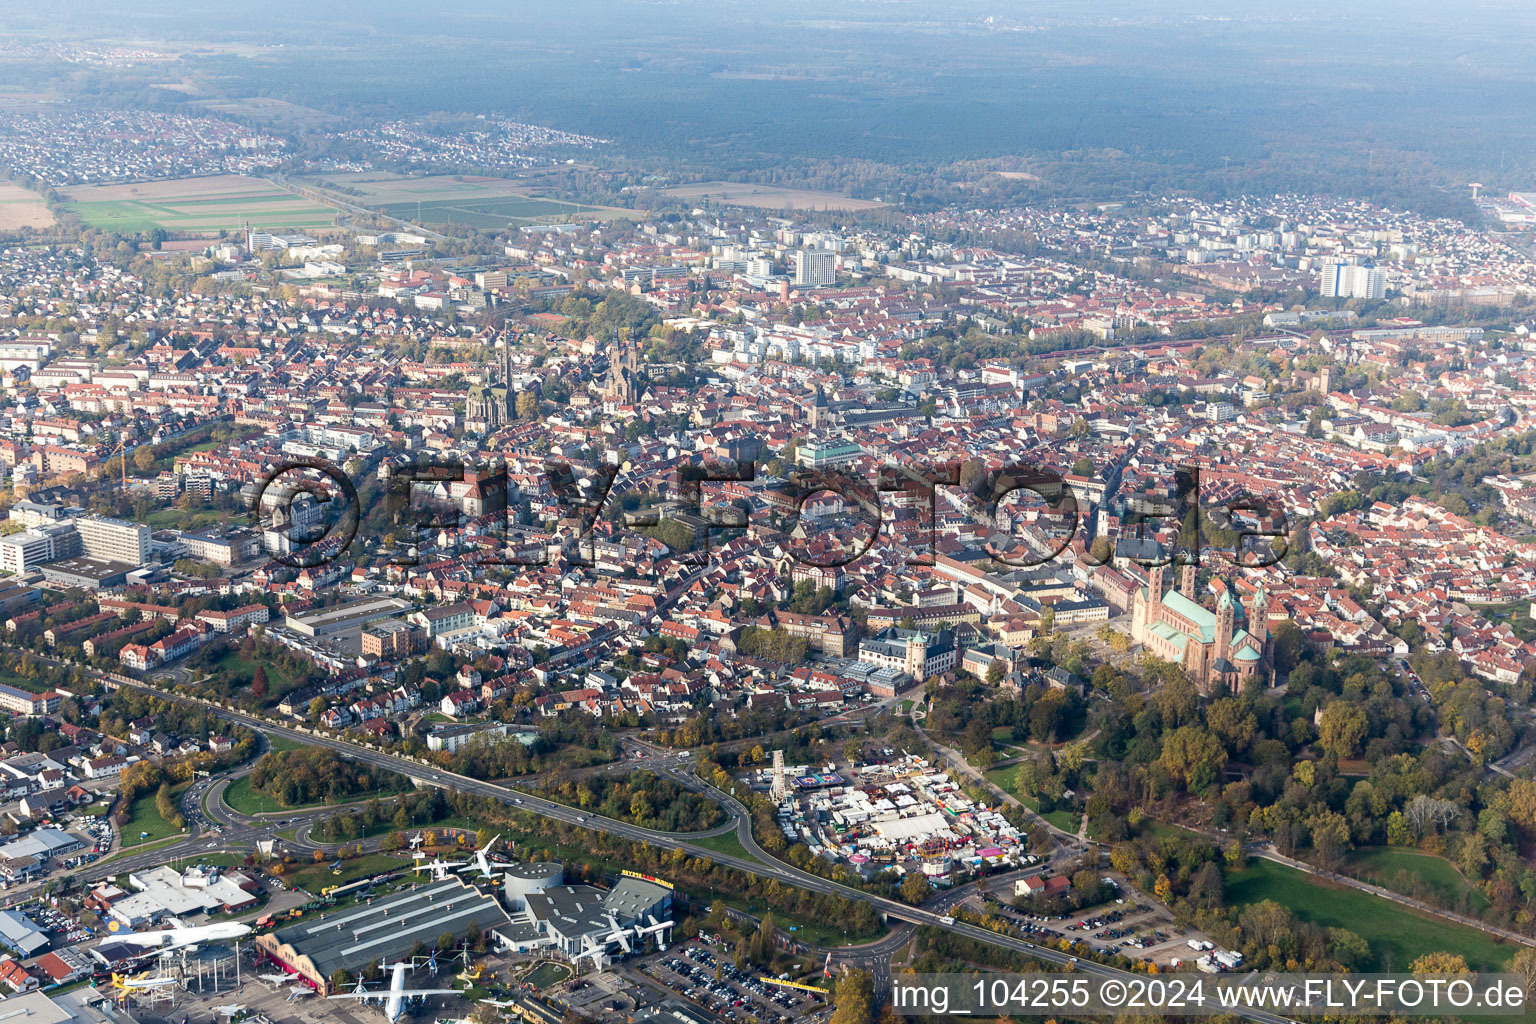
481	202
20	208
195	205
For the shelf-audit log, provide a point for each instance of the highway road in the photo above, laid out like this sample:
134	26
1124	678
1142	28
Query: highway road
764	864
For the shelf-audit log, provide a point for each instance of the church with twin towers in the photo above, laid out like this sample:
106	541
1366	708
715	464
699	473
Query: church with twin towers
1212	647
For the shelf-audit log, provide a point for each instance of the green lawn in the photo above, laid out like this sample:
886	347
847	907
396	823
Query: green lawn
240	796
726	843
144	816
1396	935
314	877
817	933
130	850
262	213
26	683
218	860
240	670
1003	779
1387	867
183	519
280	743
1066	821
546	974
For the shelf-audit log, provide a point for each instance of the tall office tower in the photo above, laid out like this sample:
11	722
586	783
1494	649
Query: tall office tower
815	268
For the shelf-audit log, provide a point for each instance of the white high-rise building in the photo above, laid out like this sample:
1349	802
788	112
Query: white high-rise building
21	552
1345	281
114	540
815	268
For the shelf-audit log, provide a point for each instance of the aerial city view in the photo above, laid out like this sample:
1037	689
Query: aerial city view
682	513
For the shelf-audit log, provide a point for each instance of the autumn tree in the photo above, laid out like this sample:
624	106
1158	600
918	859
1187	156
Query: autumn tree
1230	719
854	999
1194	756
761	951
1342	728
915	888
1330	839
1440	965
1523	965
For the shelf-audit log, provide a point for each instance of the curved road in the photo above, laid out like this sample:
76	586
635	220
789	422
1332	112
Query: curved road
766	864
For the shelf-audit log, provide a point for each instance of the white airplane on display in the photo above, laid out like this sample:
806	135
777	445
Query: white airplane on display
597	949
484	864
299	992
395	996
619	935
440	868
655	927
232	1010
175	938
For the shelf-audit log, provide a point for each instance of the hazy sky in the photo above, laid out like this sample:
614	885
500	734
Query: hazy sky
1215	82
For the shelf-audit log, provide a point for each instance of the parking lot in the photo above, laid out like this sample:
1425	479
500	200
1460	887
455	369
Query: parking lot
1126	927
98	832
62	928
709	980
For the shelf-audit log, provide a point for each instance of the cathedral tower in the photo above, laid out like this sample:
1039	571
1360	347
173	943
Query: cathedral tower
1157	584
1225	614
1258	618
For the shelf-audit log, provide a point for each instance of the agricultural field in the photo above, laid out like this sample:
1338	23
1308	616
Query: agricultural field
768	197
266	110
20	208
196	206
481	202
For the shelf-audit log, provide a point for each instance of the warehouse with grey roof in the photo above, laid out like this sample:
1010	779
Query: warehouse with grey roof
383	932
